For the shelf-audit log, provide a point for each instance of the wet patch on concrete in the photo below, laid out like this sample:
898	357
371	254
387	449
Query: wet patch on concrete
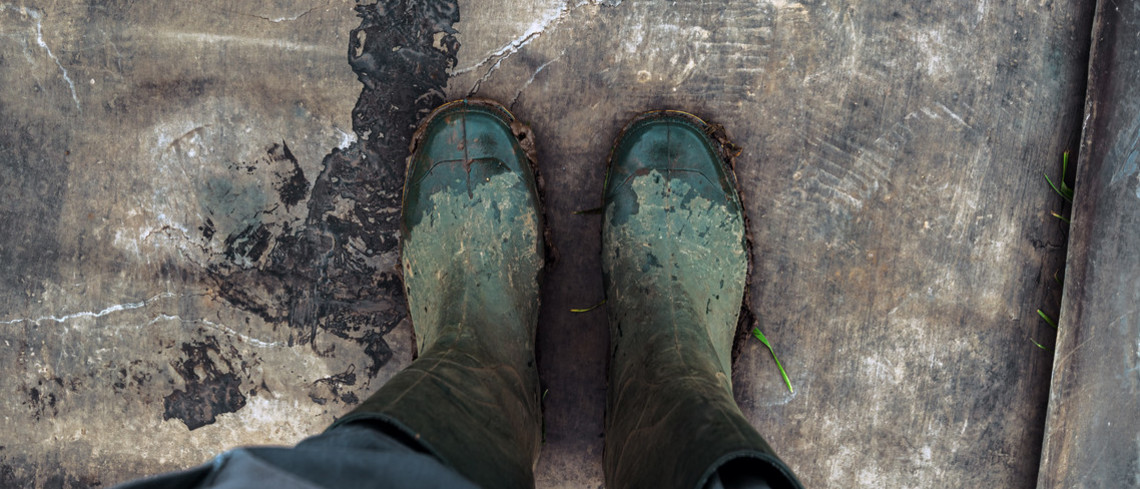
329	388
335	271
213	387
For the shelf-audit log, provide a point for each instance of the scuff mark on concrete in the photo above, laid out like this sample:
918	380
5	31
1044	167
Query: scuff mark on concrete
221	328
530	80
536	29
951	114
209	38
37	16
279	19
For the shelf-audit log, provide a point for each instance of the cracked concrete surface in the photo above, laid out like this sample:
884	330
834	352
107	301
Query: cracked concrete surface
199	242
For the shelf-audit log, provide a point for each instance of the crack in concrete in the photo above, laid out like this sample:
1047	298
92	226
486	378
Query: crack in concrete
38	17
127	306
536	29
221	328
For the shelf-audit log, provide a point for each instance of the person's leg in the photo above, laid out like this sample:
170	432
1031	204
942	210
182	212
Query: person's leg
675	265
472	255
351	456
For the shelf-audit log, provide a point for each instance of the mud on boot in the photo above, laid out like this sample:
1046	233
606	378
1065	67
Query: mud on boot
472	255
675	267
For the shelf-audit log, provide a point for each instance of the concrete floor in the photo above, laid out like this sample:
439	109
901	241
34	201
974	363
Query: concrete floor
200	203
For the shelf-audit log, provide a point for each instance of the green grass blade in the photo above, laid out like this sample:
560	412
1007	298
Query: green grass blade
1065	174
1065	192
1043	347
588	309
1058	216
760	336
1047	319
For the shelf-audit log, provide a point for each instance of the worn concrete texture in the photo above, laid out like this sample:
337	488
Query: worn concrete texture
200	202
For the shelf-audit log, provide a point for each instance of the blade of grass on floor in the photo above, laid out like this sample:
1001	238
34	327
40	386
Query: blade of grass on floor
588	309
760	336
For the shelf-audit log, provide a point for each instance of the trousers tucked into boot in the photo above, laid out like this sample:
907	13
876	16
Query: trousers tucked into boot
472	258
675	264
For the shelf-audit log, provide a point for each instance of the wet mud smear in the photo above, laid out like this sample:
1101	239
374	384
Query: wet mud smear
216	391
334	272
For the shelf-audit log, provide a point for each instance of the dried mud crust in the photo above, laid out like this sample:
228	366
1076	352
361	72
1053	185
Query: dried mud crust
727	151
526	140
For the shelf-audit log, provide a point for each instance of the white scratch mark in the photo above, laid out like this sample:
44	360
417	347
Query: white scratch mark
218	327
532	77
205	37
38	17
92	314
536	29
808	79
278	20
784	4
951	114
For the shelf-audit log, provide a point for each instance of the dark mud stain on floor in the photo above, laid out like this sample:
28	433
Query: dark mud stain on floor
333	273
216	391
330	388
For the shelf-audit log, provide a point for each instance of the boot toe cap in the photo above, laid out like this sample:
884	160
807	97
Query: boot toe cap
674	144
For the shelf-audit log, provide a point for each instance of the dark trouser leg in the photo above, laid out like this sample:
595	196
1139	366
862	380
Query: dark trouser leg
352	456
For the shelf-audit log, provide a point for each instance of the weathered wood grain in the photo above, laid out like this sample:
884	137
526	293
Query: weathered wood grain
1092	436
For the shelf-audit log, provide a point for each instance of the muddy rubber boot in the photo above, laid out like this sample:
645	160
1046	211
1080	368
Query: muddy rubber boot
472	254
675	265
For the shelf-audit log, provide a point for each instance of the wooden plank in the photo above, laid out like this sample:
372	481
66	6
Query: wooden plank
1092	436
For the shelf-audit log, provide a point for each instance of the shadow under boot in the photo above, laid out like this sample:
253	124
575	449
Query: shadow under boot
472	255
675	265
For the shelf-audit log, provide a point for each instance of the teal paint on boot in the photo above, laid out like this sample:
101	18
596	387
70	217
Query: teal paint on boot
675	267
472	257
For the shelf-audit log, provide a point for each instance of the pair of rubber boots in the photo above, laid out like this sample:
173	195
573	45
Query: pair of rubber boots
675	262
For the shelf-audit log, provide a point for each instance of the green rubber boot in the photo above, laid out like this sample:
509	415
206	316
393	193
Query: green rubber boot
675	265
472	254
